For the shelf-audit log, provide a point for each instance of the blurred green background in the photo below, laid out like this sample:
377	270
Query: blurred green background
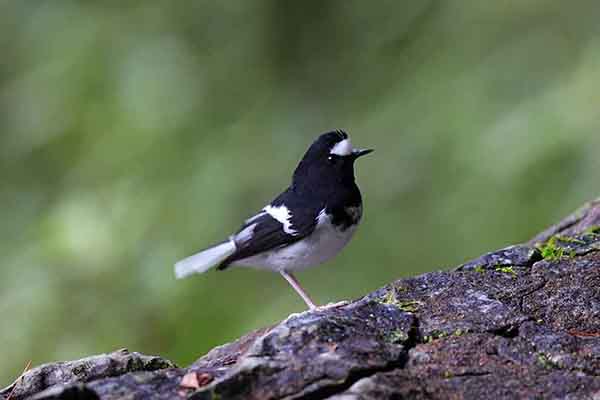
134	133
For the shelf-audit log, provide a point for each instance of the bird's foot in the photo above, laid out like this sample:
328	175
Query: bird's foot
332	305
319	308
295	315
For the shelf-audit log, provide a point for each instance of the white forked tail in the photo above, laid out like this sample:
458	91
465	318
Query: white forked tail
205	260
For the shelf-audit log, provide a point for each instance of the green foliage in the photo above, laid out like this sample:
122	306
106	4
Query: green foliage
133	134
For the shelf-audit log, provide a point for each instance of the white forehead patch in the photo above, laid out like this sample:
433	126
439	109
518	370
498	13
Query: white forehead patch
343	148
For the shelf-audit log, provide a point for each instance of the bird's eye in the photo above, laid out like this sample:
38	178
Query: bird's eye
332	159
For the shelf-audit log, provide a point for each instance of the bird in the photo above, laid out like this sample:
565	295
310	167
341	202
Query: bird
306	225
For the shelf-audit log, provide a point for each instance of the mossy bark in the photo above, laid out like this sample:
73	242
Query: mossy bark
521	322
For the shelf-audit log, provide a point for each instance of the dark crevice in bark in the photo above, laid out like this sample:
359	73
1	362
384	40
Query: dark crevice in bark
508	332
400	363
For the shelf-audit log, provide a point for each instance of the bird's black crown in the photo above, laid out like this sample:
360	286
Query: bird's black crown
328	161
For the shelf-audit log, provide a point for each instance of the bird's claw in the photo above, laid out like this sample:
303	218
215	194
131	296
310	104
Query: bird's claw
332	305
319	308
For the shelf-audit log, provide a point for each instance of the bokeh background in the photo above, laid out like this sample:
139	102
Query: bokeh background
133	133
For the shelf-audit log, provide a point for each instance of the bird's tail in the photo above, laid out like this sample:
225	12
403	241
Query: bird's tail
205	260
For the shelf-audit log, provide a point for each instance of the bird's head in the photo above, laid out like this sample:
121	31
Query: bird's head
329	159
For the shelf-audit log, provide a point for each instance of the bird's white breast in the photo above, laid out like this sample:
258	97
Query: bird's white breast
321	245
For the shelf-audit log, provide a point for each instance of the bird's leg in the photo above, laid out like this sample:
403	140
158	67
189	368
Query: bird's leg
296	285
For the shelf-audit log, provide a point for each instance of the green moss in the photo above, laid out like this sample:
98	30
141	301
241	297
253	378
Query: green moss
479	268
434	335
409	306
546	362
551	251
389	298
569	239
543	360
440	335
506	269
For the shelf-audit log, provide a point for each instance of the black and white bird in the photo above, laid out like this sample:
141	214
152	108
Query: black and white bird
306	225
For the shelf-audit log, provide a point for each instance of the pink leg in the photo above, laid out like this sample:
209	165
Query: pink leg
296	285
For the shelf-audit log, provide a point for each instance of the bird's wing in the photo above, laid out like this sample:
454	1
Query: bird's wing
274	226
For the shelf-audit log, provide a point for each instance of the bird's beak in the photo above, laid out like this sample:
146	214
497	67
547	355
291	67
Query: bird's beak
360	152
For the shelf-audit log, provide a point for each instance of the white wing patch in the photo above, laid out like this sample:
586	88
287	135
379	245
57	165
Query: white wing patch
342	148
283	215
321	245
